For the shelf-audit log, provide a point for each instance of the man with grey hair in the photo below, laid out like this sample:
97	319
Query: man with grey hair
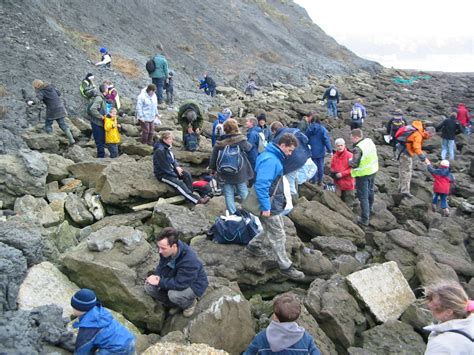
341	172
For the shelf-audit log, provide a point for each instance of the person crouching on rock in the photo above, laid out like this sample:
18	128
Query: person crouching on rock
180	278
166	169
112	135
99	332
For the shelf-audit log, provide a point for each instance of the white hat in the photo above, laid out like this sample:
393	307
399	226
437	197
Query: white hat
444	163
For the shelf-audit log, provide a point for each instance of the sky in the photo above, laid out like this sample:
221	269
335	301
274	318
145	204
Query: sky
405	34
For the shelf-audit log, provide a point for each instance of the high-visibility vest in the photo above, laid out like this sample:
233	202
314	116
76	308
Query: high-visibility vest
369	163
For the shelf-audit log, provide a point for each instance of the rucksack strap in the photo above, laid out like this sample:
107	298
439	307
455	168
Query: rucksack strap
461	333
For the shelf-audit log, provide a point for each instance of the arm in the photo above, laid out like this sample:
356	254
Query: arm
95	108
356	157
165	68
213	159
187	273
440	126
313	349
106	60
327	142
213	133
266	174
389	126
85	341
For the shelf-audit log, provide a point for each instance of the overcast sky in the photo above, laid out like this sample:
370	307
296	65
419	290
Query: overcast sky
405	34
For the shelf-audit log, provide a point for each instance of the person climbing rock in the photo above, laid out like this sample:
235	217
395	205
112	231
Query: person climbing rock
106	59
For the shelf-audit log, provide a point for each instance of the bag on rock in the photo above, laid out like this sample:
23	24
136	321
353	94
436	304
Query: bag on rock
239	228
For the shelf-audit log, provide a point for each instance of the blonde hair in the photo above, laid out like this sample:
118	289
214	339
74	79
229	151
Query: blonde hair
37	84
231	126
451	296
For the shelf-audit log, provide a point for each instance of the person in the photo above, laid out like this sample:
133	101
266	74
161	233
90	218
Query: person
99	332
106	59
305	121
190	114
283	335
358	114
273	202
211	85
167	170
364	164
463	117
395	123
112	97
320	143
169	88
232	182
341	172
112	135
96	112
298	158
179	278
218	125
454	312
262	123
147	113
87	87
204	86
449	127
254	135
332	96
441	186
55	109
251	87
160	74
412	146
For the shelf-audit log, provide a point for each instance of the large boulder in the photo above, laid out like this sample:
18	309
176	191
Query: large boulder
88	171
133	219
179	349
36	208
57	166
78	211
12	270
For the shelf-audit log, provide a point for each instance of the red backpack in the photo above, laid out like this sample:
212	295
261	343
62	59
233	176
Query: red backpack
404	132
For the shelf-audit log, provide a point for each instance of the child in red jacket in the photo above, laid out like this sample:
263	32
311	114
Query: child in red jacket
441	186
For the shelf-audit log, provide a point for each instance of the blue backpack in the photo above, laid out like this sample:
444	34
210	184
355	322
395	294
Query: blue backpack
190	142
229	160
238	229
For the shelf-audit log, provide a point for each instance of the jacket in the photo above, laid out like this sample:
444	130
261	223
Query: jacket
449	128
364	161
220	119
303	125
54	104
283	339
319	140
267	132
414	143
394	124
246	173
301	153
183	121
253	137
442	179
97	110
87	89
164	163
211	84
269	169
98	330
340	164
112	135
442	341
463	115
362	109
327	96
161	67
147	106
182	271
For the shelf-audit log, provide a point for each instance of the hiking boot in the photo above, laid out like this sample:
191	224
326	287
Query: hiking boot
188	312
362	223
203	200
255	251
445	212
433	207
292	273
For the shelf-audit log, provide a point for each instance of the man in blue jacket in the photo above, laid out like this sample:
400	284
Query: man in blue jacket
332	96
180	278
160	74
218	125
320	143
270	191
253	137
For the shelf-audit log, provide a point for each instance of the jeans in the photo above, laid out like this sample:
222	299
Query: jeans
320	173
160	83
113	150
98	133
448	145
365	194
172	298
467	130
444	200
184	185
130	350
229	194
332	108
147	132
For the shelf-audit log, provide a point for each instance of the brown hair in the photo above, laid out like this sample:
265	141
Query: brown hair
37	84
231	126
165	135
288	139
287	307
451	296
151	87
168	233
357	133
275	126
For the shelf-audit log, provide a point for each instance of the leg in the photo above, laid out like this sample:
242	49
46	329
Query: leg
242	190
362	186
444	201
64	126
151	132
99	137
320	164
48	125
371	188
444	148
113	150
273	228
434	202
187	179
145	127
183	299
451	149
228	190
159	295
329	106
181	187
404	172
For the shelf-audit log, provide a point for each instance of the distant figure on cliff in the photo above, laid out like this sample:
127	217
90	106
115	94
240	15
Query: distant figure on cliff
169	88
251	87
332	96
106	59
210	84
160	73
87	87
358	114
464	118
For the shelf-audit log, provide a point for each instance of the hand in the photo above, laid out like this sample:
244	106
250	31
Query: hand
265	213
30	102
153	280
338	175
179	170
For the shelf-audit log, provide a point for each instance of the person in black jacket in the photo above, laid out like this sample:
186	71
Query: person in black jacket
449	128
211	85
180	278
166	169
392	127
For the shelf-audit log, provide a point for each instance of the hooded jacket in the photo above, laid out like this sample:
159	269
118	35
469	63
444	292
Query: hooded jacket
164	163
319	140
253	138
442	341
463	115
327	96
301	153
147	106
442	179
414	143
98	330
221	118
183	109
161	67
340	164
97	110
283	338
54	104
449	128
395	124
246	173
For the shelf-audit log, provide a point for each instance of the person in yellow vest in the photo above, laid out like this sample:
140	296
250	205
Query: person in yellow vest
365	165
112	135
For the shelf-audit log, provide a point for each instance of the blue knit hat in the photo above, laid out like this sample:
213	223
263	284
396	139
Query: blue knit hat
102	50
84	300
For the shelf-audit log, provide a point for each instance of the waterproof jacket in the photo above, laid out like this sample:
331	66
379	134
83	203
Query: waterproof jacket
340	164
303	125
147	106
164	162
97	110
442	179
319	140
267	132
211	84
301	153
87	89
182	271
269	169
112	135
221	118
54	104
442	341
463	115
246	172
414	143
161	67
253	138
327	96
183	121
449	128
98	330
394	124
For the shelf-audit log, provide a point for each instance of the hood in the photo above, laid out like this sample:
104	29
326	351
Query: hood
221	117
418	125
461	106
97	317
466	325
274	149
283	335
230	139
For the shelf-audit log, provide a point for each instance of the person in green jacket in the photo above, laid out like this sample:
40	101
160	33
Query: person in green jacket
160	74
190	115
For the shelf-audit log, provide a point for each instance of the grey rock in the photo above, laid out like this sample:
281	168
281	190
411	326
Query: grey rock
65	237
133	219
429	271
13	271
36	208
78	154
89	171
105	238
78	211
332	246
346	264
57	166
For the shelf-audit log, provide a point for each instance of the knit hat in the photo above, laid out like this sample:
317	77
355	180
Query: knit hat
262	117
90	76
444	163
102	50
398	112
84	300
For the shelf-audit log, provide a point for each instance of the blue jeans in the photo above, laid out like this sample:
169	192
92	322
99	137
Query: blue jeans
320	173
229	194
98	133
443	197
48	124
332	108
113	149
365	194
467	130
159	83
448	145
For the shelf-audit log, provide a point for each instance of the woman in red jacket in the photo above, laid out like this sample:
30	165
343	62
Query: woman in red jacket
341	172
464	119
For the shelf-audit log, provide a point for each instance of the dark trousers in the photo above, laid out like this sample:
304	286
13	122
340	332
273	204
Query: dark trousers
212	91
365	194
160	83
147	132
355	125
113	150
98	133
184	185
320	173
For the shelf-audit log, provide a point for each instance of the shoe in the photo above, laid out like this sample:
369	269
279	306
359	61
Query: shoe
407	195
188	312
433	207
292	273
255	251
203	200
445	212
362	223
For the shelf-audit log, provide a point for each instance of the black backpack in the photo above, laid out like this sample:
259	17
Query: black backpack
150	65
235	230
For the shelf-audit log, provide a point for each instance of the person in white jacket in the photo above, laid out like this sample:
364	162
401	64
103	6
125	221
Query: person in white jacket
452	309
147	113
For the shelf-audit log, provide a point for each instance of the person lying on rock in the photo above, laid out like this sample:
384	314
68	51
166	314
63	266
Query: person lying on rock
284	335
180	278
